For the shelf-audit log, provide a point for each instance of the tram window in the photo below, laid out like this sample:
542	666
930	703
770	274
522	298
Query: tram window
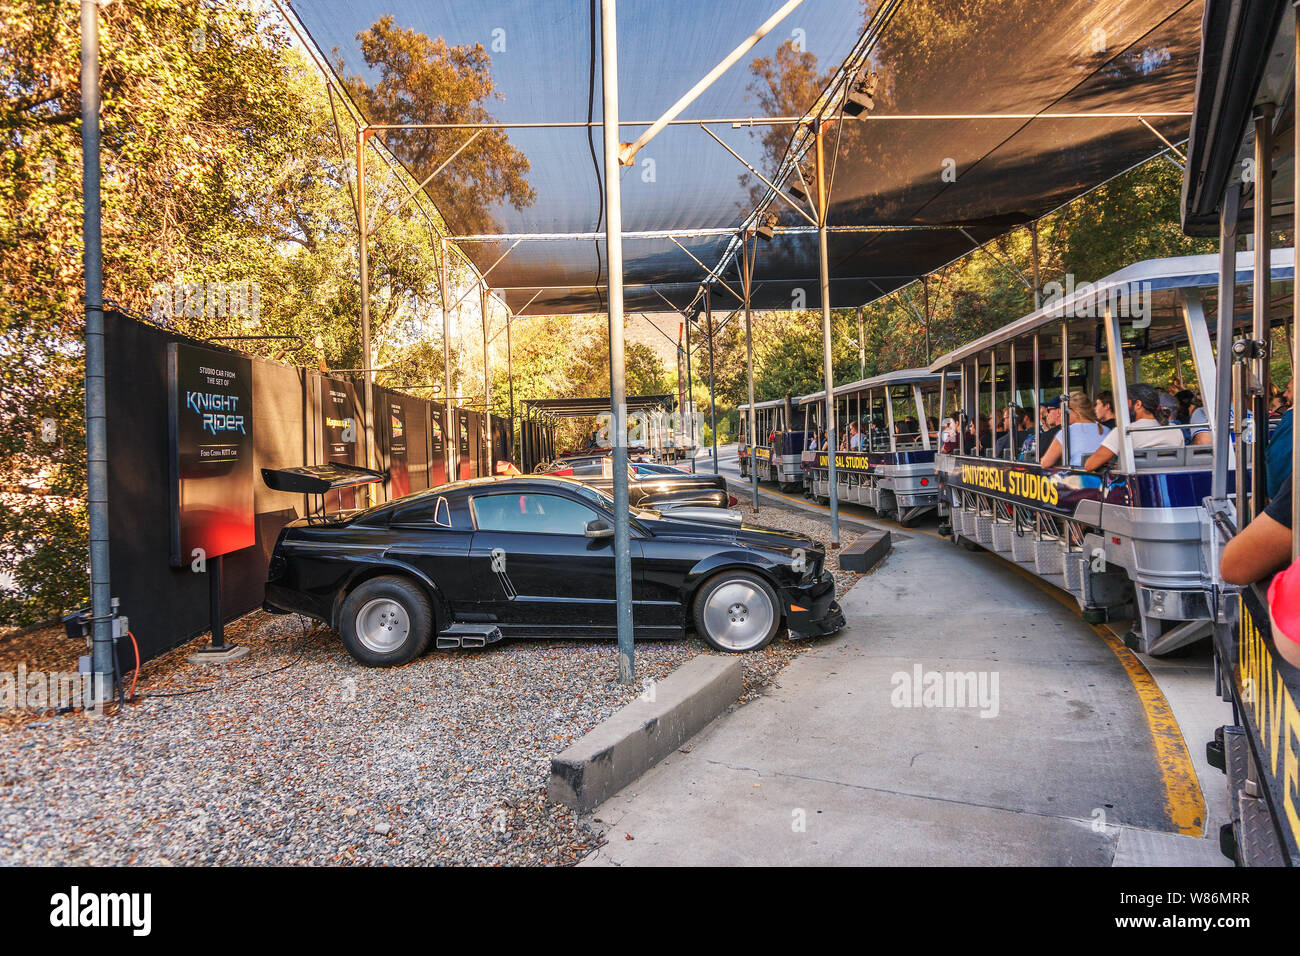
1133	339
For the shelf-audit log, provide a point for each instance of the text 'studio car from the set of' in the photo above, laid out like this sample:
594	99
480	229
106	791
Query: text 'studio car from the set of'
534	557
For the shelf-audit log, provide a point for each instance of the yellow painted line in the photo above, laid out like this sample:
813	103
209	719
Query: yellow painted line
1184	801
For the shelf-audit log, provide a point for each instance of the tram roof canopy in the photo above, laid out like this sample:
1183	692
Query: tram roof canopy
1247	60
589	407
907	376
913	188
770	403
1161	279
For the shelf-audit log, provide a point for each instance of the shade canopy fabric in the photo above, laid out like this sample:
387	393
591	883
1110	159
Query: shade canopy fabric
908	194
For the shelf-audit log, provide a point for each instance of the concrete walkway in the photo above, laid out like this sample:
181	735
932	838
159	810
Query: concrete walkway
830	769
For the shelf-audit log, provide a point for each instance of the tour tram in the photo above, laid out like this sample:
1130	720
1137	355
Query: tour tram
1133	541
892	468
777	446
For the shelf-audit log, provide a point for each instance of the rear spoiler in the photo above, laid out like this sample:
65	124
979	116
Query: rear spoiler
319	479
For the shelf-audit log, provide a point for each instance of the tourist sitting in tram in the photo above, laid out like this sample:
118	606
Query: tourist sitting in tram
1192	413
1261	548
1085	434
948	440
1050	419
1279	448
1145	417
855	437
1016	421
1278	400
978	436
1104	409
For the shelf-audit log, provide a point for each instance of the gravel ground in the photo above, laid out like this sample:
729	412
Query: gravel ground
774	513
297	755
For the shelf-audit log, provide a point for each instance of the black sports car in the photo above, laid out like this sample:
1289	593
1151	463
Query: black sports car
534	557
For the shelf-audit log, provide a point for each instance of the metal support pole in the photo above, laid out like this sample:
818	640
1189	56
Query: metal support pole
713	403
1033	245
617	368
1038	413
747	273
1119	385
1263	227
101	595
1065	396
1013	424
487	385
1295	307
993	402
690	395
1228	214
828	370
862	351
367	366
451	448
510	384
216	619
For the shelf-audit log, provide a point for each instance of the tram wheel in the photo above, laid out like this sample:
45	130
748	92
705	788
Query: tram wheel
968	544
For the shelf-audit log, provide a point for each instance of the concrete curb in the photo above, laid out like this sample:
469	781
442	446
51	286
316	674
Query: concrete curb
626	745
865	553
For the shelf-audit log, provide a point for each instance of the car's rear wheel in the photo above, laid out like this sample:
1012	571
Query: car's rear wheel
386	622
737	611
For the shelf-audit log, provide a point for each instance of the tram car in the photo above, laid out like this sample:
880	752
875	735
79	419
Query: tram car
1245	103
1128	535
777	449
669	434
888	428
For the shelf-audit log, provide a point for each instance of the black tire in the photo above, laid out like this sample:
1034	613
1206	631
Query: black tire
740	591
395	614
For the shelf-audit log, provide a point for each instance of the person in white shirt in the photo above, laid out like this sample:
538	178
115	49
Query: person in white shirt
855	437
1085	434
1144	405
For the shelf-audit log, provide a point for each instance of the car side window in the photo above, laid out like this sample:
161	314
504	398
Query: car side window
531	513
436	512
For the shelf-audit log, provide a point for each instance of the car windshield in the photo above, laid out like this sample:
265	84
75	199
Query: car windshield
596	495
606	500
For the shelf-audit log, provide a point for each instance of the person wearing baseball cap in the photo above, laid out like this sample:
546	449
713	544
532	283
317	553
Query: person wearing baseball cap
1144	409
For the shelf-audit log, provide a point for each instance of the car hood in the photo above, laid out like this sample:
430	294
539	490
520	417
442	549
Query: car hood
681	522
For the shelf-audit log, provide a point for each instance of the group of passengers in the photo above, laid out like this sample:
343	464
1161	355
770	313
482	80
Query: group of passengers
1092	437
875	437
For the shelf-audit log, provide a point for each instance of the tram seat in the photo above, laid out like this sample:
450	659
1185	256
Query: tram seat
1178	457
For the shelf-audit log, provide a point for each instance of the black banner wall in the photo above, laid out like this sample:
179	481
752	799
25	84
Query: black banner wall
293	417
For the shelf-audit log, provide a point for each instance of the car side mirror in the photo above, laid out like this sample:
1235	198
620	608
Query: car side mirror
597	528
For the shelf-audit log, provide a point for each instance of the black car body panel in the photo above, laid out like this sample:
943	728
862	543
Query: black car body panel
480	561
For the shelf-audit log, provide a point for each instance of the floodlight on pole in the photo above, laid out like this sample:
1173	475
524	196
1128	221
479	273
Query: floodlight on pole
766	229
860	97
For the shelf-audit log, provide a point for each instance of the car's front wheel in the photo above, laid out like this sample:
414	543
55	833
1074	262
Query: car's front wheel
737	611
386	622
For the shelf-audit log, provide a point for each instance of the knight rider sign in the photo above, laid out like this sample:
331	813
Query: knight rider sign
211	436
